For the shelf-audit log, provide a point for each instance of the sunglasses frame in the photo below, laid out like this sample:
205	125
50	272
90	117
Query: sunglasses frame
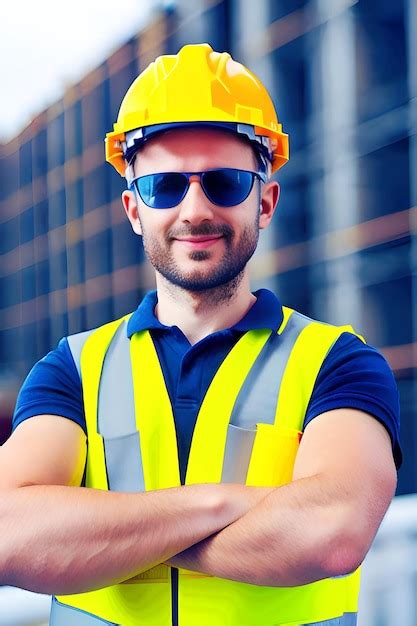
259	175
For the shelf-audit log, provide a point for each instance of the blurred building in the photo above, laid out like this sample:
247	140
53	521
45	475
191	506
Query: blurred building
343	247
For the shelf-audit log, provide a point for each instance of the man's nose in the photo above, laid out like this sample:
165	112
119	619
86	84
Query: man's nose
195	207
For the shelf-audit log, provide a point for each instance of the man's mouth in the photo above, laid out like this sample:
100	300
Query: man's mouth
201	241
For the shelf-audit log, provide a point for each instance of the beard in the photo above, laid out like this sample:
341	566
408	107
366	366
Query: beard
228	272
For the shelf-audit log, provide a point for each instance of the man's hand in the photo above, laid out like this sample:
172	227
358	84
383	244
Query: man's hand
252	495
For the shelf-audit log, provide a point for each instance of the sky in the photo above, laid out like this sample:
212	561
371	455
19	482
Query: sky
47	45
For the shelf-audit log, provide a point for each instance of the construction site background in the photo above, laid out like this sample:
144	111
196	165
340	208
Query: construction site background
342	247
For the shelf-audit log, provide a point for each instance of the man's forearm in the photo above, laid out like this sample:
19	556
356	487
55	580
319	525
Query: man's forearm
68	539
286	540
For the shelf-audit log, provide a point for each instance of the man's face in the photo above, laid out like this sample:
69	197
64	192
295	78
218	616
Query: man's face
197	245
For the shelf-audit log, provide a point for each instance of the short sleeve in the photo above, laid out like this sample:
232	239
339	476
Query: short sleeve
355	375
52	387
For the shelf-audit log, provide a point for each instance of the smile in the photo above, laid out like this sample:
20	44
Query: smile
199	242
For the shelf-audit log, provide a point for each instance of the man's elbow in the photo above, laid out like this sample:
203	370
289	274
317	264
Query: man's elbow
353	537
344	559
310	566
344	554
339	555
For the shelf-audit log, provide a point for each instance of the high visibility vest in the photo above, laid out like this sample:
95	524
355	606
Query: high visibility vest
247	431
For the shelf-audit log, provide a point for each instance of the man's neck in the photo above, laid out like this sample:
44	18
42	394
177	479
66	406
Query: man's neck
201	313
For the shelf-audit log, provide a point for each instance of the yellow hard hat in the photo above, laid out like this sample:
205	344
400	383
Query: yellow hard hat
197	85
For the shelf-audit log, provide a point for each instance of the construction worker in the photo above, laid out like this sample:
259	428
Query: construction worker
225	461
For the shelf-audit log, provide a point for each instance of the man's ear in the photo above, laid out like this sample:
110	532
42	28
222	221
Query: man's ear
131	208
269	201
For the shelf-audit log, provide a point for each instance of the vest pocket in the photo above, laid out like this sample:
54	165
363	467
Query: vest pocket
273	456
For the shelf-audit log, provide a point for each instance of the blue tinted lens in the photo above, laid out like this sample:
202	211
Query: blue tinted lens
224	187
227	187
162	191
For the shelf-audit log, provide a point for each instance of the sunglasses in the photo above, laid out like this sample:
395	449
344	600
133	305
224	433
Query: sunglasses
224	186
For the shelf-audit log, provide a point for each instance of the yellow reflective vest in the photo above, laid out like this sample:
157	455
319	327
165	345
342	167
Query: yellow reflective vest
247	431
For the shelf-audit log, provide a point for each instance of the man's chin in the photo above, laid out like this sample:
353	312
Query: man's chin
204	282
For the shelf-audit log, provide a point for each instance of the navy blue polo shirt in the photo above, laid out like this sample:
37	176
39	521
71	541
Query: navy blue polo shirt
353	375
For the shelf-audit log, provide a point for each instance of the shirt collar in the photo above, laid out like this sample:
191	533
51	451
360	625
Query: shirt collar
266	312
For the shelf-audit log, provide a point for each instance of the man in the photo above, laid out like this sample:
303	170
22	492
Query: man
240	455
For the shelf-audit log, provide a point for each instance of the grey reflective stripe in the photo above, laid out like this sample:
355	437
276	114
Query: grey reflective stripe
116	417
116	421
238	450
347	619
124	464
259	393
64	615
116	406
76	343
257	399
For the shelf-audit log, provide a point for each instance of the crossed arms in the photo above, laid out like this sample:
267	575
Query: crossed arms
56	537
